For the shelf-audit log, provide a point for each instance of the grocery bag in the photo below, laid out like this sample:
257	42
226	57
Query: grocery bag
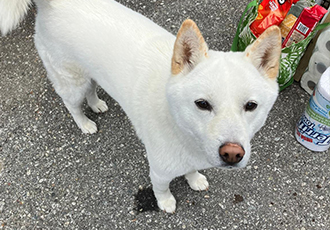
290	56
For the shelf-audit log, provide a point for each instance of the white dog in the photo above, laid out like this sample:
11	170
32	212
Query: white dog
192	107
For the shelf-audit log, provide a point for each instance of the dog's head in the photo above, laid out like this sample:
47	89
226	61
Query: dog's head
220	100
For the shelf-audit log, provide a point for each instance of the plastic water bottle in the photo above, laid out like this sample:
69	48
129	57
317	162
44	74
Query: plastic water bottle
313	127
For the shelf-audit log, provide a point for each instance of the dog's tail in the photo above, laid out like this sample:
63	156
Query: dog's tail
11	13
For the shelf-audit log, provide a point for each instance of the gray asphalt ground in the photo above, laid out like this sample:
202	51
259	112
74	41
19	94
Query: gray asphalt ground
54	177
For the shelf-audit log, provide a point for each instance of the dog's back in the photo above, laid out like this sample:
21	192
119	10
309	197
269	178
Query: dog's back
103	36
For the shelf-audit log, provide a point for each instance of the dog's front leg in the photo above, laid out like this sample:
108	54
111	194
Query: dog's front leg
165	199
197	181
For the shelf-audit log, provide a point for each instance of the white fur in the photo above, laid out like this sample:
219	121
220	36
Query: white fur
11	13
84	42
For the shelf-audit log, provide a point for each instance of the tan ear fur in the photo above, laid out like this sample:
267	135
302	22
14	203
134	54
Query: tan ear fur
189	48
265	52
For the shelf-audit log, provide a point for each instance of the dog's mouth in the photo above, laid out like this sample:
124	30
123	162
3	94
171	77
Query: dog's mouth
229	167
239	165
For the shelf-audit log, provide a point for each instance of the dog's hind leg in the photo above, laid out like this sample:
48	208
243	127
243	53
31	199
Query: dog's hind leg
72	85
74	106
197	181
94	102
73	95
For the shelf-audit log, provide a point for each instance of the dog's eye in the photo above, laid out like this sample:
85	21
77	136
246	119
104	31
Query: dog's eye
250	106
203	104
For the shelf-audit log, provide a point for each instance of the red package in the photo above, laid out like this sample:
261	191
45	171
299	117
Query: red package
270	12
304	25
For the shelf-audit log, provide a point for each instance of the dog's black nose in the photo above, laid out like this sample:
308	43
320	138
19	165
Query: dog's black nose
231	153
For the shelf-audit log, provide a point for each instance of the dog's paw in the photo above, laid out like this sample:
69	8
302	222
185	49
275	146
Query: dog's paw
88	126
197	181
99	107
167	205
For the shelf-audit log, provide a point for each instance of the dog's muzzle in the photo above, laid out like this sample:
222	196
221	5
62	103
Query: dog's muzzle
231	153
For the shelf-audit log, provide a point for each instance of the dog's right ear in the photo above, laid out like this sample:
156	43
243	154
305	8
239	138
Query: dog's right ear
189	48
265	52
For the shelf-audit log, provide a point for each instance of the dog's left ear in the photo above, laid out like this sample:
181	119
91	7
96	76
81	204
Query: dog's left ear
265	52
189	48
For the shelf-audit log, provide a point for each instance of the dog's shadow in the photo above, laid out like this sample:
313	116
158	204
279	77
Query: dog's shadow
145	200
